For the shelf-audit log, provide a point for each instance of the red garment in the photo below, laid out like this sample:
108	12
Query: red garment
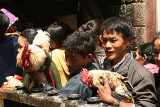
51	77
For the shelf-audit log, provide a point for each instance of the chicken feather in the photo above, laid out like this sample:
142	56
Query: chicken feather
38	52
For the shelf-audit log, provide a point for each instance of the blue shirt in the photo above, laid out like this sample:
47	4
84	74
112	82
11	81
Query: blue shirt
76	86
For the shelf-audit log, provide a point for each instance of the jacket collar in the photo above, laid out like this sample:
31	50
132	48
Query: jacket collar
125	66
122	67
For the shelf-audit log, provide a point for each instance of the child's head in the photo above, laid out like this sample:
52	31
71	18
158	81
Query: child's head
4	22
12	19
58	32
79	48
144	53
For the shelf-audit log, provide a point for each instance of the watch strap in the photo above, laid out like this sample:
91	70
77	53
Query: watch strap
117	103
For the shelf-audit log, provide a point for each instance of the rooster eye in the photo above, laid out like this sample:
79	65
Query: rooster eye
101	77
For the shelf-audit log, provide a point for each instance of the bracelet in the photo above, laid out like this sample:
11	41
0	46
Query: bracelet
117	103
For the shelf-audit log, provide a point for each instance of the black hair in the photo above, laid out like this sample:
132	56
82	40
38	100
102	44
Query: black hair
120	25
156	36
29	34
147	49
93	27
4	22
59	31
80	42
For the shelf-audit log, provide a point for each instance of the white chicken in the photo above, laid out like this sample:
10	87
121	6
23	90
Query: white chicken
33	56
120	86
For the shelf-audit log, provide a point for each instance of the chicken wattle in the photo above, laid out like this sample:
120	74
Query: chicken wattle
25	56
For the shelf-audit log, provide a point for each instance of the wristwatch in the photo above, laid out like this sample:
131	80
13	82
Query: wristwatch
117	103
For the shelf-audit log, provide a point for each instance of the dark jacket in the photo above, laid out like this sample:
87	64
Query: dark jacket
157	82
76	86
142	81
8	53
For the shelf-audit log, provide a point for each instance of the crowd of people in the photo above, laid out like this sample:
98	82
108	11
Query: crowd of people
96	45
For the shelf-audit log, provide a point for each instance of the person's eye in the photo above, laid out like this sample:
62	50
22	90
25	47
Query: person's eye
104	40
113	41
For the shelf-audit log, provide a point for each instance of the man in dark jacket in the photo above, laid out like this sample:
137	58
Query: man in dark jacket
117	35
79	49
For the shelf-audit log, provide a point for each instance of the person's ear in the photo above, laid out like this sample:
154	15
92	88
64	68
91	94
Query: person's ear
128	40
99	43
100	38
89	57
145	58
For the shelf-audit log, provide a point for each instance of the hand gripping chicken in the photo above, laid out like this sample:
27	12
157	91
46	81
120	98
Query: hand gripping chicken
121	88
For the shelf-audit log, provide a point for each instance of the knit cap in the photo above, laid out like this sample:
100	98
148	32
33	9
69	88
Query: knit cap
12	18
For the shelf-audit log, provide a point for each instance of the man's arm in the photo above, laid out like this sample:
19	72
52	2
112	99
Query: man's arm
144	91
104	92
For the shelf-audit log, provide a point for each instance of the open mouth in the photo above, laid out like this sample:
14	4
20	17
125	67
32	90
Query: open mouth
109	52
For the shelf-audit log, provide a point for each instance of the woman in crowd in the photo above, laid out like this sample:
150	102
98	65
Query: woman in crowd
58	32
144	55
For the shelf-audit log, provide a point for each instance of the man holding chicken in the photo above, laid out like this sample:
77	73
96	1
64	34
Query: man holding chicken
117	35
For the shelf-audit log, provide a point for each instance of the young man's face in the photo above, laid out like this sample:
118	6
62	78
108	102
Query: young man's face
157	51
76	62
115	46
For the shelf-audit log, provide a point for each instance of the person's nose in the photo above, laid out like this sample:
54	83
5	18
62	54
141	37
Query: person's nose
108	44
67	62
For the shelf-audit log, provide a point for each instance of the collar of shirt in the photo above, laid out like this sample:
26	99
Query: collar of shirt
109	66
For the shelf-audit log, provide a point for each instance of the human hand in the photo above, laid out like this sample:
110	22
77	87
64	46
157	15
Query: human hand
12	82
105	93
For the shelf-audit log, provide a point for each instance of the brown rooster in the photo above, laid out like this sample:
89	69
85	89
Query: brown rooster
121	88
